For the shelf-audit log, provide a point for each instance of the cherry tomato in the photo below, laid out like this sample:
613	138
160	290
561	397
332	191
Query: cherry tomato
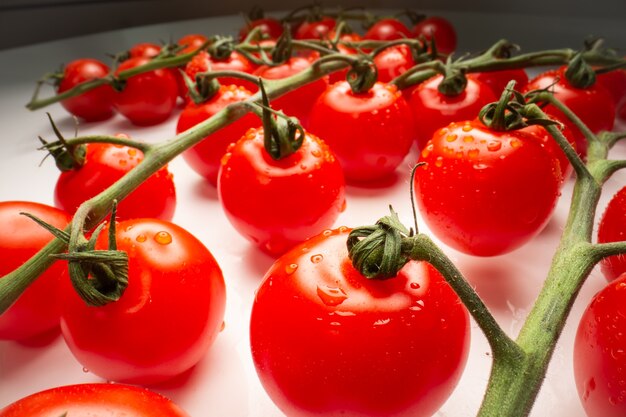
94	400
191	42
148	98
497	80
327	341
393	62
104	165
297	103
353	125
475	190
37	310
145	50
387	30
439	28
205	157
553	148
433	110
203	62
91	106
346	37
599	352
294	197
169	315
612	228
270	28
317	29
615	83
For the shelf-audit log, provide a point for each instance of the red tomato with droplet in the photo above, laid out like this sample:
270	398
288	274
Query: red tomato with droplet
327	341
105	164
498	80
38	309
317	29
441	30
166	319
96	400
551	145
91	106
203	62
475	190
393	62
371	133
205	156
600	352
270	28
612	228
388	30
433	110
294	197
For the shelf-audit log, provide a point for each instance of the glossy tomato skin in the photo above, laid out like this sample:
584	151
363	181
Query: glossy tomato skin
205	157
148	98
439	28
612	228
326	341
270	27
615	83
599	360
318	29
387	30
94	400
498	80
203	62
392	62
371	133
294	198
191	42
145	50
107	163
169	315
433	110
476	192
37	310
552	147
91	106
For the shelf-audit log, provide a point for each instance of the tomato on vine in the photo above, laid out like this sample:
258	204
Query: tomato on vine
393	61
315	29
612	228
191	42
439	29
497	80
387	30
270	28
326	340
144	50
203	62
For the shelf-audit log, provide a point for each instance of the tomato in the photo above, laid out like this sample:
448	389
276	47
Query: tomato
599	352
270	28
612	228
593	105
497	80
94	400
169	315
316	29
191	42
294	197
37	310
433	110
205	157
297	103
387	30
203	62
104	165
475	190
346	37
615	83
144	50
552	147
393	61
353	125
148	98
327	341
439	28
91	106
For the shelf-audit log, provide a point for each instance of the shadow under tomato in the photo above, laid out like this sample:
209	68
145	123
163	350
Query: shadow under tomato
364	187
41	340
256	262
204	189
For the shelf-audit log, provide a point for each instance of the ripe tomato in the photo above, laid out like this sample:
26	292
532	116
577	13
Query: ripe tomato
387	30
433	110
205	157
439	28
191	42
612	228
270	28
615	83
91	106
147	98
317	29
37	310
294	197
393	62
95	400
203	62
145	50
297	103
497	80
327	341
107	163
600	352
553	148
166	319
476	192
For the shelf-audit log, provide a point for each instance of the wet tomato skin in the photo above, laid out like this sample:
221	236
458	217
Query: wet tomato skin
612	228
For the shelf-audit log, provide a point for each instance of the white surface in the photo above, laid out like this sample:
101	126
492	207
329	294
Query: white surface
225	383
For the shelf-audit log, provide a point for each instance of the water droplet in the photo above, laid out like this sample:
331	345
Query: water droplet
85	370
131	152
317	258
451	138
163	238
414	285
230	147
468	139
222	326
291	268
335	323
617	353
303	167
251	134
473	153
439	162
494	146
467	127
225	158
123	162
480	166
140	238
327	232
381	322
516	143
331	296
343	229
316	153
621	286
129	228
419	304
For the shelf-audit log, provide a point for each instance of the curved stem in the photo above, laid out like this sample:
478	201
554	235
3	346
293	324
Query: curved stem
115	140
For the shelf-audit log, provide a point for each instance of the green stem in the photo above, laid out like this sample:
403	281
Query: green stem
587	133
115	140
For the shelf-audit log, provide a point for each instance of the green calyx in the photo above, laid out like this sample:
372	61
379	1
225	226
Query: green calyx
66	157
283	49
454	80
362	75
579	73
221	48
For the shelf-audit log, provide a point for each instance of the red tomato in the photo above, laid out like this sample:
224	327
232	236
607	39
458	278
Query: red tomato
191	42
354	126
94	400
145	50
600	352
169	315
297	103
203	62
476	192
147	98
393	62
105	164
270	27
433	110
497	80
93	105
615	83
551	145
294	197
318	29
37	310
612	228
327	341
205	157
439	28
387	30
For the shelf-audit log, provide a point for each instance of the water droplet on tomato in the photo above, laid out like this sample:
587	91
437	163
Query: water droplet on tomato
494	146
414	285
381	322
473	153
419	304
123	162
131	152
468	139
317	258
451	138
621	286
335	323
331	296
128	228
467	127
316	153
327	232
617	353
343	228
85	370
439	162
291	268
222	326
230	147
163	238
225	158
303	167
516	143
140	238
